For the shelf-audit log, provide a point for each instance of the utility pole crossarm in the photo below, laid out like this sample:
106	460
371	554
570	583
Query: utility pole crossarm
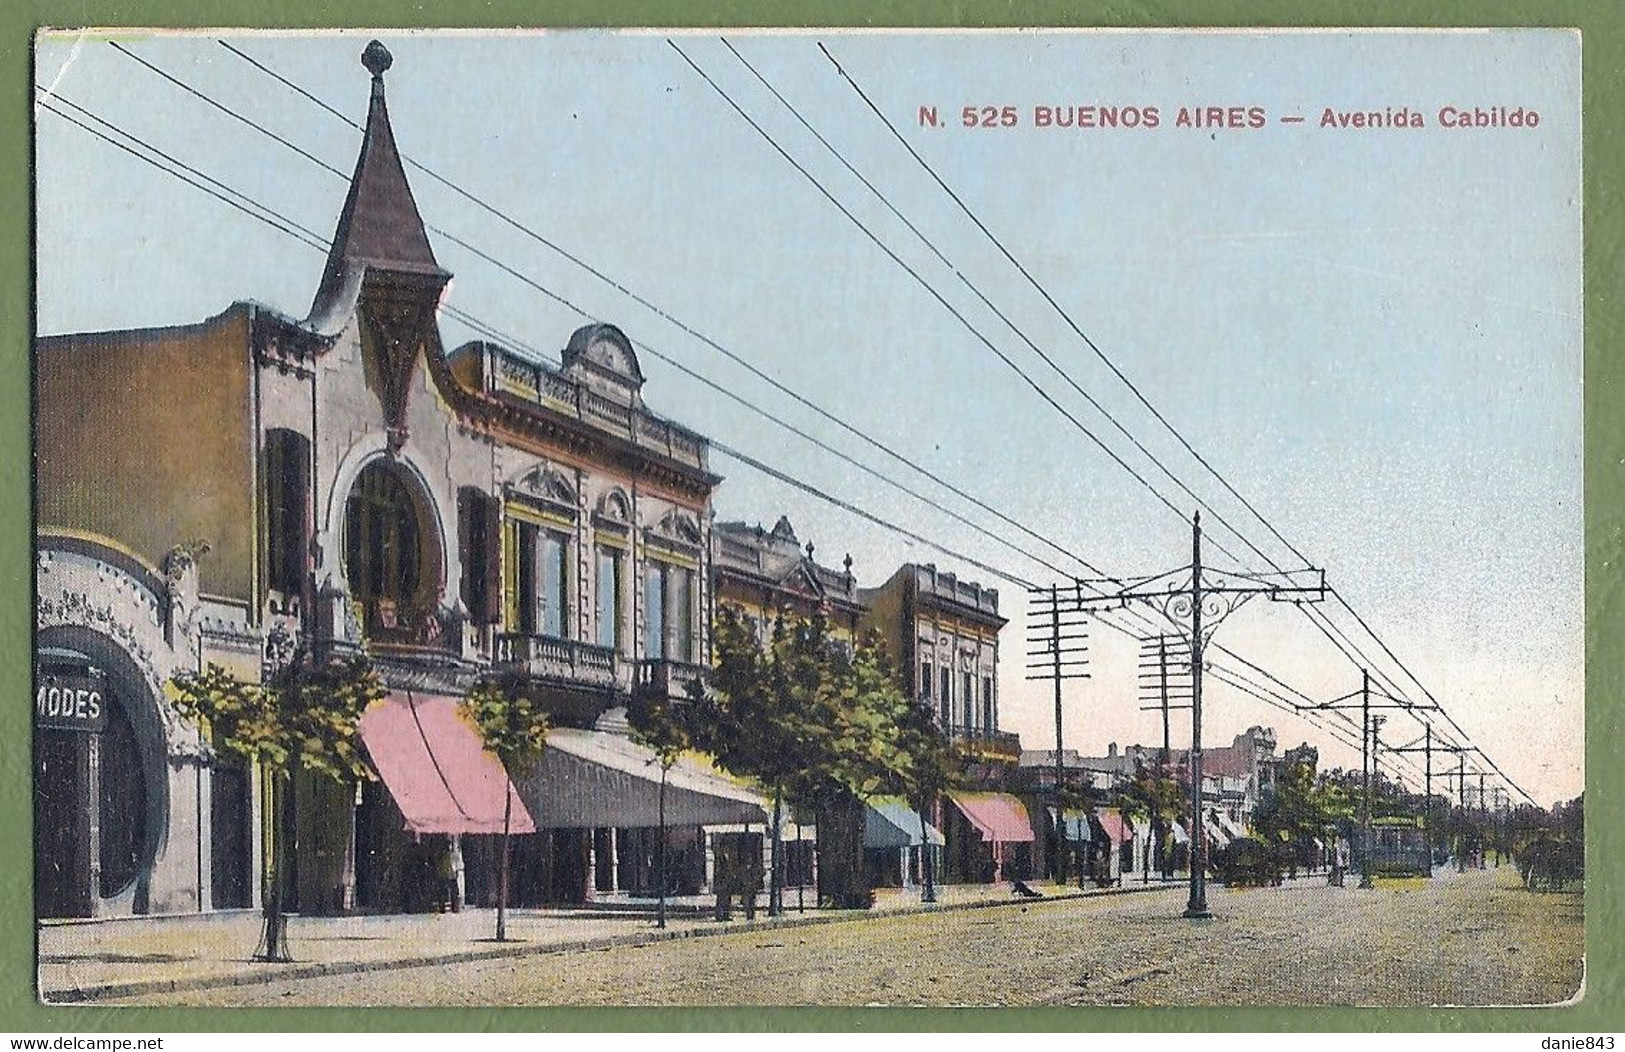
1193	599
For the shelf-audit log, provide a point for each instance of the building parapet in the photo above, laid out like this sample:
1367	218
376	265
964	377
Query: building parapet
944	585
504	372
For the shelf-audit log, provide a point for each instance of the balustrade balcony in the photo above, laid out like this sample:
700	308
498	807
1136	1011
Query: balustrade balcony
670	680
567	662
544	386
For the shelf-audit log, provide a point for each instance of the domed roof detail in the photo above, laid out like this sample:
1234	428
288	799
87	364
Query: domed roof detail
603	349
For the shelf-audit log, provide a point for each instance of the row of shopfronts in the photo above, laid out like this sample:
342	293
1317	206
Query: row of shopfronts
260	487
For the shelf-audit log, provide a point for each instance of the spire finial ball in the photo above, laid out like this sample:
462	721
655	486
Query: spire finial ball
377	58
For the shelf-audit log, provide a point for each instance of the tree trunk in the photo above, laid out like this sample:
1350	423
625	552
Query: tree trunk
801	885
273	937
660	856
502	870
930	892
775	893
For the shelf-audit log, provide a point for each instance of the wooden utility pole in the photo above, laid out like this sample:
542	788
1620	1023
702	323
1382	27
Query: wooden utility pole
1060	800
1365	778
1057	649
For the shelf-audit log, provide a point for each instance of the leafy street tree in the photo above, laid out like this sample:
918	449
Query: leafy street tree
750	723
928	767
816	723
1156	795
513	728
305	715
1296	810
663	726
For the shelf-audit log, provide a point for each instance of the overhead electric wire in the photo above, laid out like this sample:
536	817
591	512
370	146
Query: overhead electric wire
1429	695
1319	620
676	322
935	294
1065	316
990	305
1117	371
1229	678
49	103
665	315
292	228
567	304
482	327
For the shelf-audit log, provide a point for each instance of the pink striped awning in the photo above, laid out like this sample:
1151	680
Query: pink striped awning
1118	829
436	769
998	817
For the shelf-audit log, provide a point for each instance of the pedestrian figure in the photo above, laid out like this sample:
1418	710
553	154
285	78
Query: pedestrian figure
445	881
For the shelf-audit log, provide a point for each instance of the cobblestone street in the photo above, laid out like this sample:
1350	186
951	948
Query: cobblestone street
1471	939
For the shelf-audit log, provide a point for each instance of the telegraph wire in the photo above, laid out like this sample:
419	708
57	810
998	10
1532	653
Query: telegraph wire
1065	316
1427	694
1325	626
812	490
990	305
481	327
49	103
227	110
562	301
249	206
1107	360
1357	657
294	230
929	288
671	319
674	363
620	287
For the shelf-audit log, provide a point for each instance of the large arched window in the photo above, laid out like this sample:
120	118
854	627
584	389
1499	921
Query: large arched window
383	540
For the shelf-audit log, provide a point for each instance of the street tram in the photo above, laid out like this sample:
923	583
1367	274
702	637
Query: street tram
1394	846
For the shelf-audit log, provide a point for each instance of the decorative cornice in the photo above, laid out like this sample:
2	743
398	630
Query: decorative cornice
487	411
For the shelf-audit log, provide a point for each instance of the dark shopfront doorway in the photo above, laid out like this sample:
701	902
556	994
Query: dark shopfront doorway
90	801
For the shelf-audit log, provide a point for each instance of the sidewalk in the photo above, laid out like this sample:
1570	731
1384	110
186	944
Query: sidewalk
84	961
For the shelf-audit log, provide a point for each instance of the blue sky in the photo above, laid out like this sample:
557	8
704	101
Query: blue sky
1375	334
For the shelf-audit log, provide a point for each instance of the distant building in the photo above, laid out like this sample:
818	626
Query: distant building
1233	778
945	632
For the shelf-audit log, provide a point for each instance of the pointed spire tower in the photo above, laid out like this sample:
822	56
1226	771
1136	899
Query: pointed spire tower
381	263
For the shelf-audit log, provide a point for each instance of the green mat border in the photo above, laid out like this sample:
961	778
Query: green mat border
1604	98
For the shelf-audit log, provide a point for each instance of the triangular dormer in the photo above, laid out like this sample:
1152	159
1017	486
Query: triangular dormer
803	582
381	262
783	531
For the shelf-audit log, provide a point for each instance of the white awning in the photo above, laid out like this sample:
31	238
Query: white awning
592	779
890	823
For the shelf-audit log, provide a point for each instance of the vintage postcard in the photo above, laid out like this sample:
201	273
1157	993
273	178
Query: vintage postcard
808	518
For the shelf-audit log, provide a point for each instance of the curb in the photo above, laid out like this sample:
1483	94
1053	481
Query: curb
137	987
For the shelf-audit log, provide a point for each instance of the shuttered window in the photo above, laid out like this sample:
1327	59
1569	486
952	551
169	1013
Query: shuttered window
287	510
